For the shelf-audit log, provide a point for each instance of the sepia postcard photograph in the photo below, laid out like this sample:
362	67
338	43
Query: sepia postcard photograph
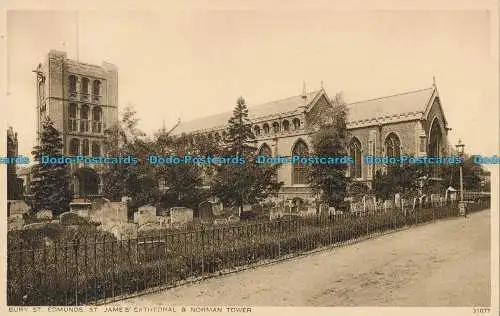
250	157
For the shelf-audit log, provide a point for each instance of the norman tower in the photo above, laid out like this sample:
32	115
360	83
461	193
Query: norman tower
82	101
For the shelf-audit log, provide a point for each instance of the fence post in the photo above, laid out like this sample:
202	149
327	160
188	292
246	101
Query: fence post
202	251
279	238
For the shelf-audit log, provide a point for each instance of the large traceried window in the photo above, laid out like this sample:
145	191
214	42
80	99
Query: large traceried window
355	154
392	145
276	127
299	171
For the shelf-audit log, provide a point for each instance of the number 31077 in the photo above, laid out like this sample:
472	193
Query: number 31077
481	310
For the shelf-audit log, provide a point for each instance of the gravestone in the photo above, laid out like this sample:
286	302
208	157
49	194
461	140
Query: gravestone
15	223
17	207
69	218
180	215
397	200
206	210
44	215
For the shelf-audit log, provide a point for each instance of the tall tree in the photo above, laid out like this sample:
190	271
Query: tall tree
240	134
51	182
331	139
239	184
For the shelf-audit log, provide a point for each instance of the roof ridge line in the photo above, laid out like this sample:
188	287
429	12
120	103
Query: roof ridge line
392	95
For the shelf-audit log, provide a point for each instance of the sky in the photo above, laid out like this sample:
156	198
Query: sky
191	63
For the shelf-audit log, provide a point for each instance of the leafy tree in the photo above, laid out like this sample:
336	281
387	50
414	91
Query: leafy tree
331	140
184	181
51	182
250	182
135	181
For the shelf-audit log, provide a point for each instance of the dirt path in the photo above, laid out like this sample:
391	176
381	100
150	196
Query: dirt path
440	264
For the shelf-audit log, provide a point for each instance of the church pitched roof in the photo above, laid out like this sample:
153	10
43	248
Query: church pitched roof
404	104
286	106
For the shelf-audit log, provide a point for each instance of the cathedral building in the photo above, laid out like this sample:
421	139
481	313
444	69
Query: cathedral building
82	101
411	123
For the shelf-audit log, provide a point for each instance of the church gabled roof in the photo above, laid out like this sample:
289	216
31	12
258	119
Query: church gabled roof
288	106
399	107
403	106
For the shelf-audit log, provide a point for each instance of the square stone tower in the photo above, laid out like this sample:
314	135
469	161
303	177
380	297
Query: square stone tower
82	101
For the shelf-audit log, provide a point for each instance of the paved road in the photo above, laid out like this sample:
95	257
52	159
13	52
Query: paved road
446	263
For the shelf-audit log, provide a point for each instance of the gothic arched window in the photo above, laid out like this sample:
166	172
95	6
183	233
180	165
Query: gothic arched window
265	127
355	154
296	123
286	125
265	151
392	145
299	171
276	127
256	130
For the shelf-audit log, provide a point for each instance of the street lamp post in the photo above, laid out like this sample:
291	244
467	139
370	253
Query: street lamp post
460	150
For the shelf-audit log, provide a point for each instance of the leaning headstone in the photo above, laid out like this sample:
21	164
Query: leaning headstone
69	219
44	215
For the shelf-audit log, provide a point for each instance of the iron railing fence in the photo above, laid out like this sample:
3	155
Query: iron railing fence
96	271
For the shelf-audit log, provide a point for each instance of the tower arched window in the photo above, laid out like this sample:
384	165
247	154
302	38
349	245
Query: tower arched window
265	127
85	147
74	147
85	86
296	123
72	120
265	150
355	154
256	130
96	119
96	149
299	171
96	88
72	84
286	125
84	118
